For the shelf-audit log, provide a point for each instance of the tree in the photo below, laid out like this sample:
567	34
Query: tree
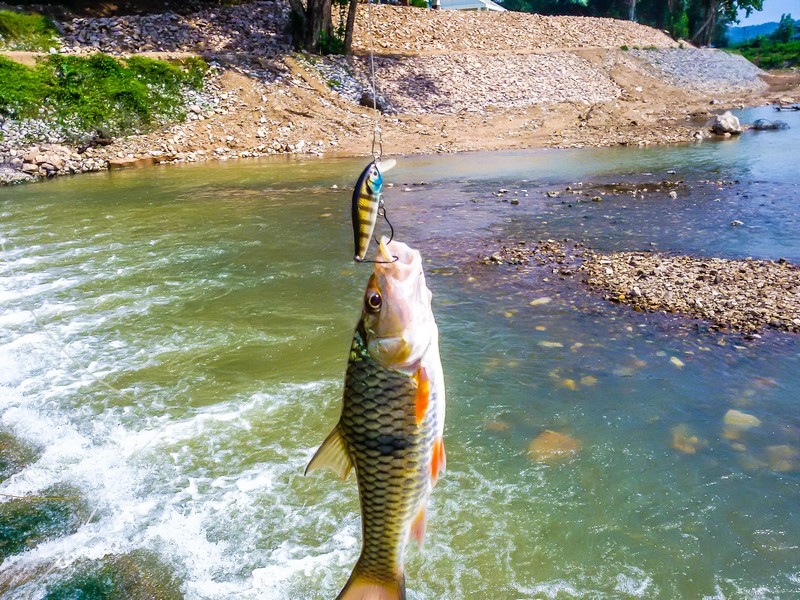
712	10
311	24
786	29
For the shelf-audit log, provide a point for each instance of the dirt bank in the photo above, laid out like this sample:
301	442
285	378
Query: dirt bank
451	81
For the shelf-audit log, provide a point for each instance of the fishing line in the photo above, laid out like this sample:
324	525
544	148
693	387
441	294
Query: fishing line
377	138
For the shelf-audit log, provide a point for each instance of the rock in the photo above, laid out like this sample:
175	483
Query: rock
783	458
54	511
368	101
551	446
138	574
684	440
726	123
30	167
767	125
131	163
737	422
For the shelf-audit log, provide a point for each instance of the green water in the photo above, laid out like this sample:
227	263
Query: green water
173	341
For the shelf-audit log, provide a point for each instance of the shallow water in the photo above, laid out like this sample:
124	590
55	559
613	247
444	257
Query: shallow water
173	341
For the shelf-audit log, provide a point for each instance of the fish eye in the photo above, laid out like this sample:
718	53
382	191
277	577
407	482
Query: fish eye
373	301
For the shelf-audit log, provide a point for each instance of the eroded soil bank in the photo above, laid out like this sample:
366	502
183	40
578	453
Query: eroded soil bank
451	81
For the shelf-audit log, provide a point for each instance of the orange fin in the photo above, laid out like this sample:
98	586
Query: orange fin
332	454
418	526
360	587
423	393
438	460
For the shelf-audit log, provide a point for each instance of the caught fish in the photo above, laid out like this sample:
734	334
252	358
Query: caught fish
367	200
392	421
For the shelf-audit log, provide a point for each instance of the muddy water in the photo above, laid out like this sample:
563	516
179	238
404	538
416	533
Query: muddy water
172	345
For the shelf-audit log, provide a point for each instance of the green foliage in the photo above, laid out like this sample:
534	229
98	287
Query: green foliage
785	30
98	92
770	54
330	44
29	32
678	25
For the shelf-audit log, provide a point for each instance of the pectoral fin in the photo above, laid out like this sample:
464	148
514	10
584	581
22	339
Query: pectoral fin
333	455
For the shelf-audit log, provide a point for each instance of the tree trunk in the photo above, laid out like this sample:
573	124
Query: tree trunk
704	34
309	22
351	24
631	10
318	20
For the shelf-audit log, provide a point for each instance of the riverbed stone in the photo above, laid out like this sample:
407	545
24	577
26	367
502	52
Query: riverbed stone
137	575
14	455
551	446
34	518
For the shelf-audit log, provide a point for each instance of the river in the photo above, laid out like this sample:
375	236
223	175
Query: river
173	342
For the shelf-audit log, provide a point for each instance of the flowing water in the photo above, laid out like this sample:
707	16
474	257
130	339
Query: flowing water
173	342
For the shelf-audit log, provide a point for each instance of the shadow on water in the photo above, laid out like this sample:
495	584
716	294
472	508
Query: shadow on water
220	300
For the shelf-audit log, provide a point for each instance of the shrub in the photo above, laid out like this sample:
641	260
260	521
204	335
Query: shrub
98	92
29	32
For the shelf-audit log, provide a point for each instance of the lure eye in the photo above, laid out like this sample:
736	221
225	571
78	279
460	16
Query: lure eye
373	301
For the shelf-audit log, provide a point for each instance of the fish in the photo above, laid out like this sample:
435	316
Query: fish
391	428
367	199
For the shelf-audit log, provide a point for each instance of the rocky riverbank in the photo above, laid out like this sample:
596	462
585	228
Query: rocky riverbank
450	81
746	296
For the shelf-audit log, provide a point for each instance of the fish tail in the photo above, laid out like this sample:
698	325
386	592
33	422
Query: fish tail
361	586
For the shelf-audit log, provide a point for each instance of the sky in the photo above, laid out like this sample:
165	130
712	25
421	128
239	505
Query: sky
773	9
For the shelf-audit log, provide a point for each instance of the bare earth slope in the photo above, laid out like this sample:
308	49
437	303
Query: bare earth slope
452	81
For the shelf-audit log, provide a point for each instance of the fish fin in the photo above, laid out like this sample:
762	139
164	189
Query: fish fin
361	587
332	454
438	460
423	393
418	526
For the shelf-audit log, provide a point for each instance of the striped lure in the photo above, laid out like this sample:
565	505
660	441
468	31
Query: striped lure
392	421
367	200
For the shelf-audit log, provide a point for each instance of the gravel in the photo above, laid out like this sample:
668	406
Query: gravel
743	295
701	70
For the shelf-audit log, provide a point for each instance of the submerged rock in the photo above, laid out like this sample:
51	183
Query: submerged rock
767	125
552	445
26	522
14	455
737	422
138	575
684	440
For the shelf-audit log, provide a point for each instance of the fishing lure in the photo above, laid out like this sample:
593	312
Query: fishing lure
367	204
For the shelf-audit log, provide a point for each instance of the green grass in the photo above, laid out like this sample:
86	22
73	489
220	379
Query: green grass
99	92
769	54
30	32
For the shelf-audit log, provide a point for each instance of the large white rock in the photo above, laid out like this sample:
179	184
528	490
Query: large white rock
726	123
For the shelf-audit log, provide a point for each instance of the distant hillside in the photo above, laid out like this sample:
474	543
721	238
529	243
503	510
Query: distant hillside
742	34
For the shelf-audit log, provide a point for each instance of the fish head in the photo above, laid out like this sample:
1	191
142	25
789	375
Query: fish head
397	316
374	179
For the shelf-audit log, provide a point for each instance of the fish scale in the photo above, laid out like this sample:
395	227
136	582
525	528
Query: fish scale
383	425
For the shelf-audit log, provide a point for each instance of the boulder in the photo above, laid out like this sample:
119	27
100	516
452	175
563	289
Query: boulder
127	163
370	102
767	125
726	123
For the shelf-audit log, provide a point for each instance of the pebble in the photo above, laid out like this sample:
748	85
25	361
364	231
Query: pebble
551	445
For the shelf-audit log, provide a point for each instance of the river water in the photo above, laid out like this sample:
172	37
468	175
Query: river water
173	342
